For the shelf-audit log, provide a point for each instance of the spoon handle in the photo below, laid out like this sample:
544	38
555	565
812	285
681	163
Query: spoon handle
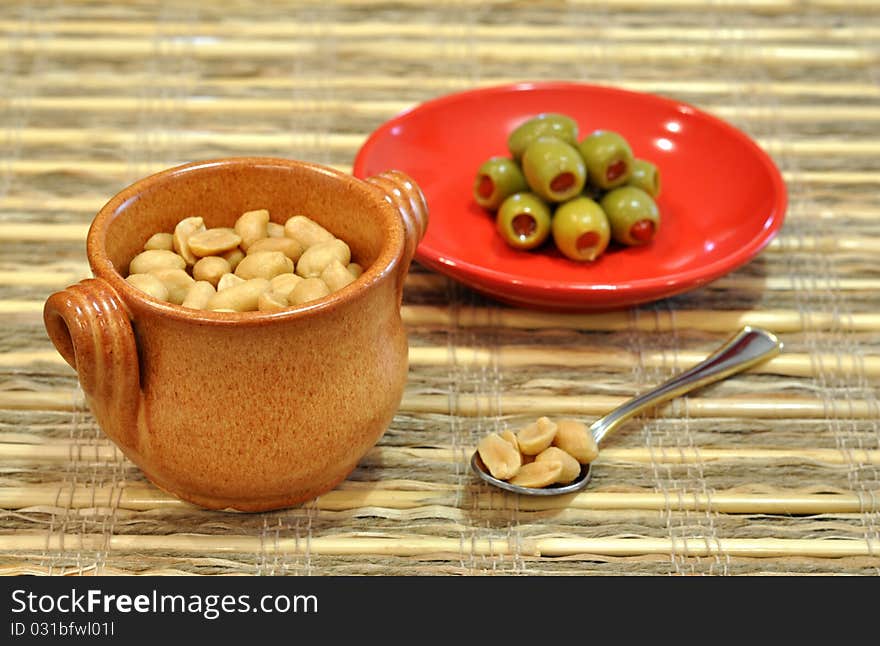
750	346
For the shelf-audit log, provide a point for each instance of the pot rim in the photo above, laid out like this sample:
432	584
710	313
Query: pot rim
384	266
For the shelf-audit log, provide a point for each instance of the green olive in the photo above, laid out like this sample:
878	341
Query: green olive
646	177
608	157
633	214
580	229
547	124
523	220
554	169
496	179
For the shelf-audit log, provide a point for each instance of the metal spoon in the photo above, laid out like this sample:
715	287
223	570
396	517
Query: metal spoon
749	347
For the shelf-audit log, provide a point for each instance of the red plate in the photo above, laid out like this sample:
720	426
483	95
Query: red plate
722	198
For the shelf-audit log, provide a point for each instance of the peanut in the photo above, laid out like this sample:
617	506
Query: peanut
270	301
228	280
283	284
160	241
243	297
537	436
575	438
212	242
510	436
177	281
199	295
309	289
233	257
336	276
148	284
211	268
571	468
275	230
264	264
499	456
182	232
355	269
288	246
251	226
153	259
537	474
306	231
316	258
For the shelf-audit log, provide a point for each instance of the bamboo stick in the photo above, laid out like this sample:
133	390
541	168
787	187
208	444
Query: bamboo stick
123	170
766	407
241	29
715	321
512	357
65	451
437	83
137	497
471	405
430	49
719	321
389	108
40	232
350	143
415	545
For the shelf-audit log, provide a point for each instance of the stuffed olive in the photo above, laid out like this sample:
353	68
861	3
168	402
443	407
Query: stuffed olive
633	215
548	124
608	158
554	169
580	229
523	220
645	176
496	179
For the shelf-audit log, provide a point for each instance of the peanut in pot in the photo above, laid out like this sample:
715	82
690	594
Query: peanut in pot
306	231
252	226
233	257
283	284
211	269
255	248
177	281
270	301
153	259
199	295
228	280
336	276
213	242
243	297
160	241
309	289
316	258
264	264
148	284
182	232
288	246
275	230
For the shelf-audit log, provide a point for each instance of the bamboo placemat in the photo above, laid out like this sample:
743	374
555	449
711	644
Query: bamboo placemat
773	472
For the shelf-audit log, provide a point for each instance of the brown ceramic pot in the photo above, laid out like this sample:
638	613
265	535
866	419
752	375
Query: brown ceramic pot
249	411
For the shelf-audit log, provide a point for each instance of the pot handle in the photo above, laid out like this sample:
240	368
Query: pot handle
92	331
402	192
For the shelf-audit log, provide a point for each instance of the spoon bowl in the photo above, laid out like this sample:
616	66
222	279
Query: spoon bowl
747	348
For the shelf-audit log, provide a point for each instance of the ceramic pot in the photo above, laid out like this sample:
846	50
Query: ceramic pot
249	411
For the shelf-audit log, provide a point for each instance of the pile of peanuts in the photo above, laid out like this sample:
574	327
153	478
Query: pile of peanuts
543	453
256	265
